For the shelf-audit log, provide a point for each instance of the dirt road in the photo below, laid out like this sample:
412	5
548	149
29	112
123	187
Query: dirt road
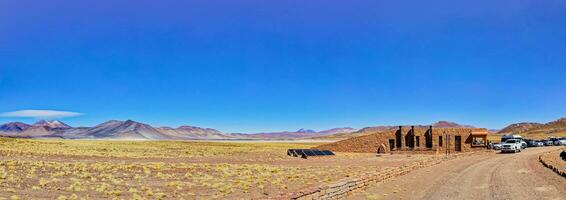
488	176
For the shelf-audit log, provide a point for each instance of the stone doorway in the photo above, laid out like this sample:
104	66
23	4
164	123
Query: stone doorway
381	149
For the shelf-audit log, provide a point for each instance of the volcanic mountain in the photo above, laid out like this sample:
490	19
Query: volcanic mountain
14	127
54	124
114	129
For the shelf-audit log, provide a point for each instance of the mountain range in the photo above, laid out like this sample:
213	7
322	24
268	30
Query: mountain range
131	130
301	133
113	129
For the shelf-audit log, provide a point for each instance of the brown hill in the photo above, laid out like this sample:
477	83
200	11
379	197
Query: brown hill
192	132
554	128
519	127
447	124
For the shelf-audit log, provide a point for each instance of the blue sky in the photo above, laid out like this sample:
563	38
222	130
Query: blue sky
252	66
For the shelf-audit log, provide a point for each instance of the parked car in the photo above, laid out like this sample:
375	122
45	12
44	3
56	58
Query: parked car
531	143
561	142
495	146
509	137
540	144
548	143
511	145
523	144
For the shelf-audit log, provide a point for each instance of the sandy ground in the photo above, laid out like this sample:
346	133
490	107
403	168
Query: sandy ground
483	176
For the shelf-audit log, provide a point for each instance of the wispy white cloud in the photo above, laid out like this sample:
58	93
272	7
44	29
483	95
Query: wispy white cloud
41	114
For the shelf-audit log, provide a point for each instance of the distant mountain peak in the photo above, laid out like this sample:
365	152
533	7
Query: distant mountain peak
448	124
306	131
14	127
51	124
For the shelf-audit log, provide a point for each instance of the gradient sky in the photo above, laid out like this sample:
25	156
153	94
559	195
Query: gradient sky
251	66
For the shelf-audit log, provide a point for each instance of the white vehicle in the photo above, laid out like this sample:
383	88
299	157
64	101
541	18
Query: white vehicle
524	144
561	142
508	137
511	145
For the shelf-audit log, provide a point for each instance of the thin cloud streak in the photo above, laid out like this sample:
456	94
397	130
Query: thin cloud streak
42	114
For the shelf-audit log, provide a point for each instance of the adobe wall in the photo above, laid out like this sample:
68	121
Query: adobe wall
402	141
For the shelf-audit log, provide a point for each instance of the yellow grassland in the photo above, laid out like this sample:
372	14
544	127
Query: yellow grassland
73	169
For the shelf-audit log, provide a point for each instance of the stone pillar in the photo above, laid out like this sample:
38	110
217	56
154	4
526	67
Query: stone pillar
430	141
399	138
412	137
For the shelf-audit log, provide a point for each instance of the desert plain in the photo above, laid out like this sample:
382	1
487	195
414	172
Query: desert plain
91	169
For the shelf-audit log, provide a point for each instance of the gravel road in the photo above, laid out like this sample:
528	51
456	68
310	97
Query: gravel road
484	176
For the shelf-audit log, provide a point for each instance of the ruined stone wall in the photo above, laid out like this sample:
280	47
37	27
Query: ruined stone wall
370	143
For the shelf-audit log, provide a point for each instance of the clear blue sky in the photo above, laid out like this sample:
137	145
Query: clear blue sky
251	66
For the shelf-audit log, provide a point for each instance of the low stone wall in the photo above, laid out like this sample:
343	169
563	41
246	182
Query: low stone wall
553	161
345	187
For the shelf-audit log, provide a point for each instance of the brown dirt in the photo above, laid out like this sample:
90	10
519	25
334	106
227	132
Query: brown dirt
483	176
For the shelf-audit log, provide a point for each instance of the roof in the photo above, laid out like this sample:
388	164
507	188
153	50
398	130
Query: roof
480	132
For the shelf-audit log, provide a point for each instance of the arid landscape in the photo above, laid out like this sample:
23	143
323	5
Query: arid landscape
107	168
67	169
282	100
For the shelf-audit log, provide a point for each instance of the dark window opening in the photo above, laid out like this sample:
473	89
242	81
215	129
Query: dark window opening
440	141
458	143
391	144
428	140
399	139
418	139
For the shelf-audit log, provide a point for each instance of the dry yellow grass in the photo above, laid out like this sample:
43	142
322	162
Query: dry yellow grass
66	169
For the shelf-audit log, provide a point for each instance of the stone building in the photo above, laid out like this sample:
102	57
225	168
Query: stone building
413	139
